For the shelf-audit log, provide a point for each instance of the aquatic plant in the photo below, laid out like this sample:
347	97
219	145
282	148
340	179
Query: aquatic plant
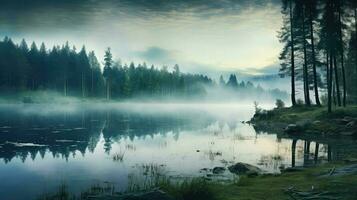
61	194
118	157
188	189
151	175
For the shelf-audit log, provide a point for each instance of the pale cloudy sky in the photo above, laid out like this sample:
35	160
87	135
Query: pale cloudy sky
199	35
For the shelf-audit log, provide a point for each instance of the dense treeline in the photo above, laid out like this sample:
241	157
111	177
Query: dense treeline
73	73
80	74
320	48
61	69
130	80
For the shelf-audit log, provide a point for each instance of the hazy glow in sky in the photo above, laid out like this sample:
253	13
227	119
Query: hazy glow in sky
199	35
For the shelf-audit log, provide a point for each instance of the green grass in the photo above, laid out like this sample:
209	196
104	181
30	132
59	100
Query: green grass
302	114
195	189
272	187
255	188
292	114
190	189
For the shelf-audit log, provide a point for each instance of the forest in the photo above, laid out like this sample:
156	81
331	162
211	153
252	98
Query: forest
320	50
80	74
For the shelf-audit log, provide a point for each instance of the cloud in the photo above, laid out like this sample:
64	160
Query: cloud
199	35
267	70
22	15
157	55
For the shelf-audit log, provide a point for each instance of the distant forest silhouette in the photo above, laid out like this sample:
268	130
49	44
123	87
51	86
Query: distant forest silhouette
77	73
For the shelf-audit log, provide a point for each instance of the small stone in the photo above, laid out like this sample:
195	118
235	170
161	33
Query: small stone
218	170
204	170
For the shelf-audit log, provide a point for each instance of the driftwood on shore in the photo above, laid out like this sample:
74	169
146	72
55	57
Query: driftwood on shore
296	194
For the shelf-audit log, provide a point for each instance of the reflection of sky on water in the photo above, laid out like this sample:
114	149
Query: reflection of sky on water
184	140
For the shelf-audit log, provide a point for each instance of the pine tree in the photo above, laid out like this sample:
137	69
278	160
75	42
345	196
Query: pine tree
287	36
107	72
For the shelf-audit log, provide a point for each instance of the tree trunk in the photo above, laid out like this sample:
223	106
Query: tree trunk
317	99
108	89
65	85
355	42
306	152
92	82
306	76
329	83
334	93
316	154
343	81
342	59
293	100
338	94
293	151
83	85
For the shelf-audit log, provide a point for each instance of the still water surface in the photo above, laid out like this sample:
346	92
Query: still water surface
43	146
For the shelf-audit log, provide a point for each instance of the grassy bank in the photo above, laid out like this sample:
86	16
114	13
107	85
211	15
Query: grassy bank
309	120
320	182
308	181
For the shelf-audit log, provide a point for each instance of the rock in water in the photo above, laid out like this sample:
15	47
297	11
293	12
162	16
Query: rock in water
244	168
218	170
292	128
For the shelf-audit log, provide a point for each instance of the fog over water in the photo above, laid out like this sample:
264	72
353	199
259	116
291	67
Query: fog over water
44	145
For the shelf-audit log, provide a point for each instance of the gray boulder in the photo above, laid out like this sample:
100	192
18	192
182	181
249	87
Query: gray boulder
244	168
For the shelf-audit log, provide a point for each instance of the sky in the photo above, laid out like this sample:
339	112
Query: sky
199	35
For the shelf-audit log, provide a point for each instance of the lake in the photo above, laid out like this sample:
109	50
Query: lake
44	146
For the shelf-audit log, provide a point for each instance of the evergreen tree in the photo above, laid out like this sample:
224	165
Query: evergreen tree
96	80
107	72
232	81
222	82
287	36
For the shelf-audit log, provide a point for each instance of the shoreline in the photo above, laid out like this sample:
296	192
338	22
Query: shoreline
336	180
305	121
